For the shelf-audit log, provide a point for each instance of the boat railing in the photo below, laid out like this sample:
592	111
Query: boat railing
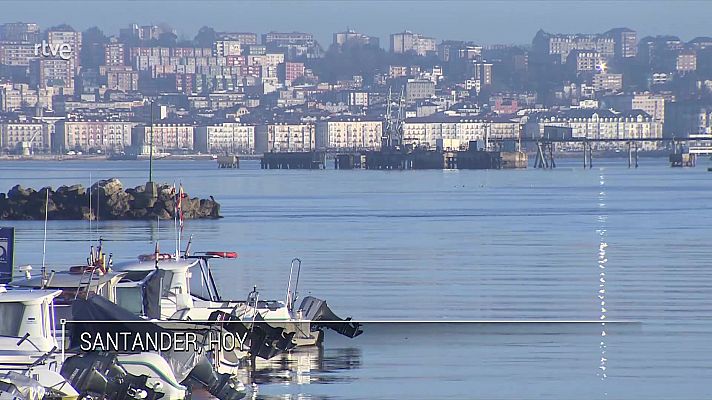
292	292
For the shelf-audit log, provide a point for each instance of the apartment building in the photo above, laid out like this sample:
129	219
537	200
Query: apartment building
429	131
76	133
598	124
407	42
167	135
23	133
349	132
231	137
285	136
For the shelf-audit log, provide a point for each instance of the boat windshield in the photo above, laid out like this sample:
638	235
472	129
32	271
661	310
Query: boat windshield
201	283
11	318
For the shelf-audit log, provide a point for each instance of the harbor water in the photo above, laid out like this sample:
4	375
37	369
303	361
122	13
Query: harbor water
588	284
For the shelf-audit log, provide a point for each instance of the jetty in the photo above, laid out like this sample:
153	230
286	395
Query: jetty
104	200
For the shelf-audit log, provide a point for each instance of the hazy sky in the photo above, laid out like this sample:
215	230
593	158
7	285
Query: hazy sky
485	22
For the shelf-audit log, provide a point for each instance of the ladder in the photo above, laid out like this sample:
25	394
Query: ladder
85	282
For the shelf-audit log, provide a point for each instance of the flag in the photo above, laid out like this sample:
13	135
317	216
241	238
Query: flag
156	254
181	195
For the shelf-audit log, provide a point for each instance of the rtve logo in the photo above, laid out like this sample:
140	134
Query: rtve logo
44	49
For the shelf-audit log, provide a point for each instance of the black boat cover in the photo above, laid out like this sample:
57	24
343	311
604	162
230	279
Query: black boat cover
320	315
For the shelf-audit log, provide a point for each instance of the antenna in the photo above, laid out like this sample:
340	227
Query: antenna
90	209
44	241
150	150
97	211
175	219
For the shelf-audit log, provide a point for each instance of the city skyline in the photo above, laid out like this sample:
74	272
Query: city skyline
439	19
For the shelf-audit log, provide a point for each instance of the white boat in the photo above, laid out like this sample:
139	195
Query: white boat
65	288
189	293
27	341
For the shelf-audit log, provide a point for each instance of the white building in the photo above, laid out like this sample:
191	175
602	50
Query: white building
284	137
349	132
459	131
166	136
26	133
98	134
599	124
230	137
407	42
652	104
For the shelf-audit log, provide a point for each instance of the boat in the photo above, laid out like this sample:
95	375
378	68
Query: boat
28	362
81	285
193	295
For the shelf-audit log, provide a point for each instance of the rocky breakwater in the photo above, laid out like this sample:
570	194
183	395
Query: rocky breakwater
109	201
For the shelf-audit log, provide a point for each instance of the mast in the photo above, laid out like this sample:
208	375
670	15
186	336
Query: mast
150	150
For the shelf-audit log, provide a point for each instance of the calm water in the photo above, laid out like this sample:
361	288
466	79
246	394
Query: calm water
595	245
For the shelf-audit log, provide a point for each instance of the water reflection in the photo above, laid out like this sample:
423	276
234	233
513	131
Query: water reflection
302	366
602	260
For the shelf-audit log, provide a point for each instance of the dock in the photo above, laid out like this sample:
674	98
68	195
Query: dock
431	159
294	160
228	162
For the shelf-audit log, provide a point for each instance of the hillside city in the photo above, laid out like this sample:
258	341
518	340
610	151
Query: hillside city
65	91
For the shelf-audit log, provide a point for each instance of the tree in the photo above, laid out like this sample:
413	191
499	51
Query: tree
92	53
205	37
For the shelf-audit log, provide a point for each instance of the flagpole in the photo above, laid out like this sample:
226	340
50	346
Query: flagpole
179	213
175	219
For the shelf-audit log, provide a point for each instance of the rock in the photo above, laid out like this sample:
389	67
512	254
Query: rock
108	187
112	202
18	192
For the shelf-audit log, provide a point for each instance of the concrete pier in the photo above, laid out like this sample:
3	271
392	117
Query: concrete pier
294	160
228	162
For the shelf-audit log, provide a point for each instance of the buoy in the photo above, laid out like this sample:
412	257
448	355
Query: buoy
222	254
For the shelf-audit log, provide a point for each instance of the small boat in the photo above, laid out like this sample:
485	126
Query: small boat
27	345
193	295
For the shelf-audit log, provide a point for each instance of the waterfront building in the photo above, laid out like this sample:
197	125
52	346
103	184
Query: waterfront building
598	124
225	137
457	130
167	135
685	118
24	134
349	132
652	104
285	136
84	134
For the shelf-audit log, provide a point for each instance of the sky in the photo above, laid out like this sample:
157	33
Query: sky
482	21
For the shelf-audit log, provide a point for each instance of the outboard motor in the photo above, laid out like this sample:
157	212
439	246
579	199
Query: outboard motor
222	386
264	341
99	374
320	315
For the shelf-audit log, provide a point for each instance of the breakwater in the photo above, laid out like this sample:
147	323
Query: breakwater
105	200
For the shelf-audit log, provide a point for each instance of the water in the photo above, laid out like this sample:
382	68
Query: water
597	245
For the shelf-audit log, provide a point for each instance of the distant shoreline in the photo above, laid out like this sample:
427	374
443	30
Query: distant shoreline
102	157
